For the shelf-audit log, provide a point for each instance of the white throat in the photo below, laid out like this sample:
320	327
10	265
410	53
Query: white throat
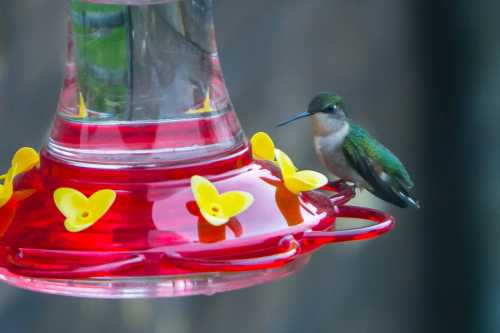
330	128
329	136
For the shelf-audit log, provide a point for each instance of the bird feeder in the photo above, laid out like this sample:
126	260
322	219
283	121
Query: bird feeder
147	185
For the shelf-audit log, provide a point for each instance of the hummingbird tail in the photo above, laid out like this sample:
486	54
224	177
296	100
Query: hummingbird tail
395	193
406	198
388	186
389	189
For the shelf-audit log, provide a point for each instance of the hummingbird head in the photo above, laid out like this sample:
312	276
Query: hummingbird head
327	104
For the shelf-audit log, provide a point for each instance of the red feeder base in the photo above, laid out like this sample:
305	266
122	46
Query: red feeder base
154	241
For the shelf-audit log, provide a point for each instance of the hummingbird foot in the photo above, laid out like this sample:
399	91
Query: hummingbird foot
341	185
359	190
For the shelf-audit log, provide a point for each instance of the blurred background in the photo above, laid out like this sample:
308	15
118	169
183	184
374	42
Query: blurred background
422	76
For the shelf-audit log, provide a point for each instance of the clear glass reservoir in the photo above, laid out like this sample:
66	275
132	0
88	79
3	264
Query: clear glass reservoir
143	86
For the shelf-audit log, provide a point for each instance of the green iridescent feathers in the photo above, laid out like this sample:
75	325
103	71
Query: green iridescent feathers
359	139
323	100
382	169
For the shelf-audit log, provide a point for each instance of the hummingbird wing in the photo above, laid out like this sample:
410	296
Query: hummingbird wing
385	173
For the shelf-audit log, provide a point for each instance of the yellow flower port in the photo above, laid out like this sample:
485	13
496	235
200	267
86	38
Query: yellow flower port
23	161
263	147
298	181
217	208
7	189
82	212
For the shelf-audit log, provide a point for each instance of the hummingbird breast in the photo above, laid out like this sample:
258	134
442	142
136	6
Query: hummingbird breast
329	136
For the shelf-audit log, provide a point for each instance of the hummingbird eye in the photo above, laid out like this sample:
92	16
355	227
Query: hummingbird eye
330	108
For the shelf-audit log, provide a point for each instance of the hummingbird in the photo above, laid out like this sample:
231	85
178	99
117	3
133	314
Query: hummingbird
353	155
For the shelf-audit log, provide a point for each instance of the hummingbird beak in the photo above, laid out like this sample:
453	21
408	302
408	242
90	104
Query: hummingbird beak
300	115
